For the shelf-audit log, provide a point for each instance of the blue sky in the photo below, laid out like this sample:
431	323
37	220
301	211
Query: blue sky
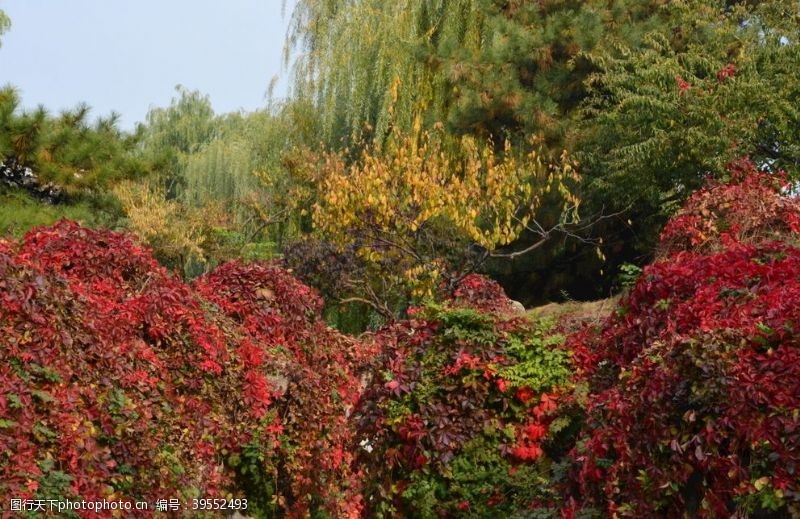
128	55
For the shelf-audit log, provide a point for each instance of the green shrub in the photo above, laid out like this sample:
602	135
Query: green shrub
466	414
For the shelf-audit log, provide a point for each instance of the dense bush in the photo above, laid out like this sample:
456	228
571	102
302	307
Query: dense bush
323	265
694	382
480	293
316	373
461	418
749	208
119	381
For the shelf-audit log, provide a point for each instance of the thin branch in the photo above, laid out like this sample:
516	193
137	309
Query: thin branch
279	217
380	308
526	250
573	231
398	246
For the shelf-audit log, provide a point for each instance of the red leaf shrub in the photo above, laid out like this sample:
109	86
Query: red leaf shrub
750	208
119	381
694	400
320	383
481	293
461	416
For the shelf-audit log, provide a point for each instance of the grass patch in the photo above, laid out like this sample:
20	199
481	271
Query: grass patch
19	212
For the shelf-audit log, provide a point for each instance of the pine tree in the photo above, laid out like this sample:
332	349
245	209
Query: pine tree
483	67
79	157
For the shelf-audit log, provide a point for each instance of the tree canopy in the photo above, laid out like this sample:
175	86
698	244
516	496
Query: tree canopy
649	97
599	78
484	67
67	149
712	85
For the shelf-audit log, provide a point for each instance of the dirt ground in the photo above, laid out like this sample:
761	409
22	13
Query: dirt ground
573	314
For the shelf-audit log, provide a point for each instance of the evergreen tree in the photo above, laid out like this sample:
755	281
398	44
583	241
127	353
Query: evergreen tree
716	83
80	157
527	76
62	166
484	67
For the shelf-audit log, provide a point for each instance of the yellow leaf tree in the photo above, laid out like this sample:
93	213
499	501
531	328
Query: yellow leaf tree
178	233
425	211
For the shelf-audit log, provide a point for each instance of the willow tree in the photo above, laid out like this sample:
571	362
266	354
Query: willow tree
175	132
364	63
481	67
243	169
204	157
228	165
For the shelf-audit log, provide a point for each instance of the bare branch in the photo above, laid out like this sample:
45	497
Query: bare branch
526	250
574	231
381	308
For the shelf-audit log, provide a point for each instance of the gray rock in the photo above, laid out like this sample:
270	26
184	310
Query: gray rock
279	383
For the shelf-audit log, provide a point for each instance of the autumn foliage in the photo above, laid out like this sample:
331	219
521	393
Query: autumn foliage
463	413
418	211
694	380
685	401
120	381
749	208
